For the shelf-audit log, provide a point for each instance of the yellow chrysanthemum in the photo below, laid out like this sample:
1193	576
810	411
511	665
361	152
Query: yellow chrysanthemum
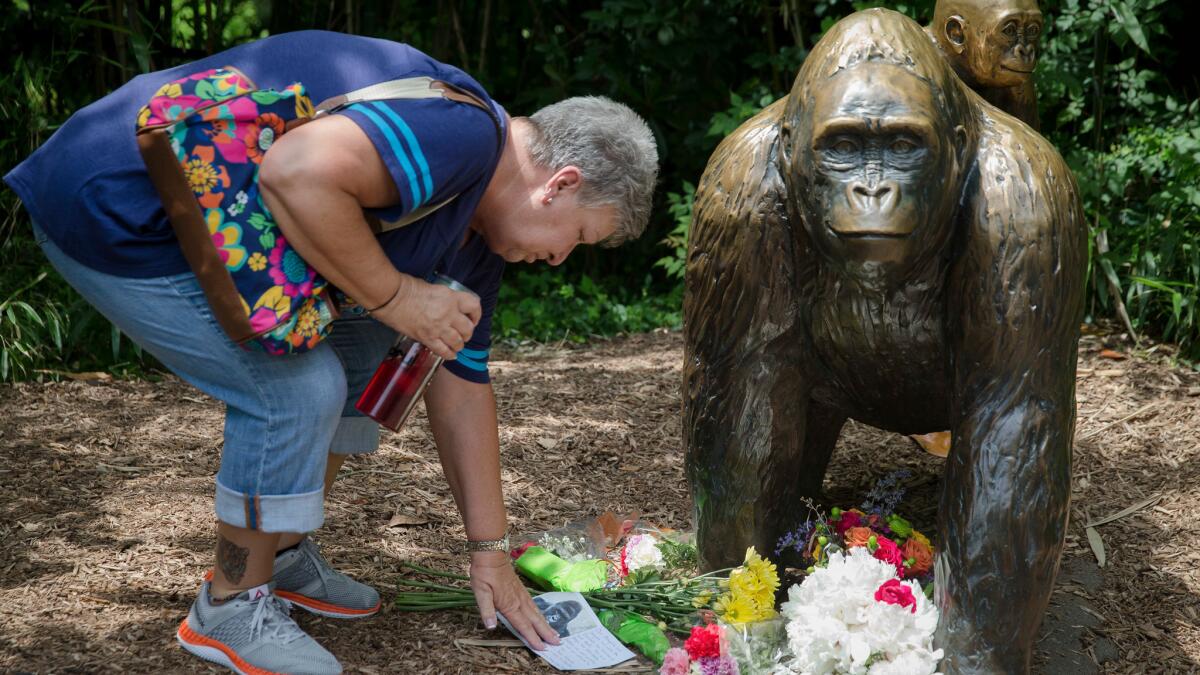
762	570
921	538
751	595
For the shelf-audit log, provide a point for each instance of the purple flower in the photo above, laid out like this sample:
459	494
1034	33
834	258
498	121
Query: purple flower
719	665
887	493
796	540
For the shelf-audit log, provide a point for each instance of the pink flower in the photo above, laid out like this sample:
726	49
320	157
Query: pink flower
675	662
888	552
623	568
520	550
895	593
705	641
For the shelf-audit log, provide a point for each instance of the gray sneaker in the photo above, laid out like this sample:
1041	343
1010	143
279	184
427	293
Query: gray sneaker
303	578
253	634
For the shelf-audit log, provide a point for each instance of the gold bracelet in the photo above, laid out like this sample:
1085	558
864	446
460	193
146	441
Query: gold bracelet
489	545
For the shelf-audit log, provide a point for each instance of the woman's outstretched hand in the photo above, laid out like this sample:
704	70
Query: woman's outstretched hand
498	589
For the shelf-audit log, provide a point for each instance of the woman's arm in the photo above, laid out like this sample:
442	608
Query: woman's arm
316	180
462	415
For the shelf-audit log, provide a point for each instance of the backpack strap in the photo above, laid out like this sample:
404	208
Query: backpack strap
407	88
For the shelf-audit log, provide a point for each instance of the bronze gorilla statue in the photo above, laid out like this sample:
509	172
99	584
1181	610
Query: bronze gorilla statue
884	245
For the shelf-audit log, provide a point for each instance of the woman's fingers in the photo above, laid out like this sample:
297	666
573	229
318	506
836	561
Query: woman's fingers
520	621
439	347
483	598
463	326
539	622
469	304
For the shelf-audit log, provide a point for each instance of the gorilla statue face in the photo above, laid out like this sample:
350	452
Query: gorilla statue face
881	169
994	41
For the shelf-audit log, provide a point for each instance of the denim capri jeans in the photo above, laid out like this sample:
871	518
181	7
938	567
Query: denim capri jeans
283	413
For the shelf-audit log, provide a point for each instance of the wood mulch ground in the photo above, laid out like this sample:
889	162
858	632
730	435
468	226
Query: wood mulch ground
106	510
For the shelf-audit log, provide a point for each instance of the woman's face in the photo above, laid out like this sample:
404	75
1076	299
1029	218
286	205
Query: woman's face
548	228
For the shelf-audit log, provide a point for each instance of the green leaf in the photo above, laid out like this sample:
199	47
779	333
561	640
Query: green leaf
1130	24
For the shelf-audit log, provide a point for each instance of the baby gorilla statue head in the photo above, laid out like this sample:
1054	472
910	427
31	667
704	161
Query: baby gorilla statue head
990	43
875	140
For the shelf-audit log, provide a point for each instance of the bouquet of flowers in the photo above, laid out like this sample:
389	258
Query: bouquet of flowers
855	615
876	526
863	605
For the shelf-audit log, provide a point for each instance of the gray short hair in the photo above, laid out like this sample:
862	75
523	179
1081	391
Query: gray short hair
613	148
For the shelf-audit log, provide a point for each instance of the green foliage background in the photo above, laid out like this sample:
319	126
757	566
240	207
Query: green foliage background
1118	98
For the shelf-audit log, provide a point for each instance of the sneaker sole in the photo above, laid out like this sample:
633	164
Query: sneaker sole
317	607
212	650
325	608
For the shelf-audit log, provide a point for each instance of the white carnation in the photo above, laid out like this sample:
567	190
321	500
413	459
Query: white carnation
835	625
641	552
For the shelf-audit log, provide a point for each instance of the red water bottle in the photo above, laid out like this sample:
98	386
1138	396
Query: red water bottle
400	380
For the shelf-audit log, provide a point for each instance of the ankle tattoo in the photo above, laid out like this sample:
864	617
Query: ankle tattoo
231	558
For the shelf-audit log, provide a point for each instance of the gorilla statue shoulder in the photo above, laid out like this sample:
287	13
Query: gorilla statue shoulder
884	245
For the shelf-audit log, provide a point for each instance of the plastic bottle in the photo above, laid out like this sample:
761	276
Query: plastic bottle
401	378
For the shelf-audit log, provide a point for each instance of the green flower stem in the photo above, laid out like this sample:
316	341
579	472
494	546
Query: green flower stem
432	572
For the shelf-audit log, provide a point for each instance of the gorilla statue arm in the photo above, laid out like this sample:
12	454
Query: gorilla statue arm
1016	295
745	408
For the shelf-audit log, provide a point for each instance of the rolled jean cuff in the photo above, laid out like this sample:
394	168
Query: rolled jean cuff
271	513
355	436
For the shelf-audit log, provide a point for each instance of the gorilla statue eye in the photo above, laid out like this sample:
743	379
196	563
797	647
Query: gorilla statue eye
1033	30
1010	29
902	146
844	146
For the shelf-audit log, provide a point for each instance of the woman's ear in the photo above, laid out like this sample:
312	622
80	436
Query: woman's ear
566	179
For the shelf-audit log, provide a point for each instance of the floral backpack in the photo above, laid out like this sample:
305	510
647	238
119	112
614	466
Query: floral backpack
202	138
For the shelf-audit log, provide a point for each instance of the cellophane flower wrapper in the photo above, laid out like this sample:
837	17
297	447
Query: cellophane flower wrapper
587	539
759	647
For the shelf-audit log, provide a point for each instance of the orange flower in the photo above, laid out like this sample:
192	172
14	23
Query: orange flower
858	536
920	555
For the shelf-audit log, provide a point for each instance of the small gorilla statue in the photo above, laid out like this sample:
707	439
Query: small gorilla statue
992	45
882	244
